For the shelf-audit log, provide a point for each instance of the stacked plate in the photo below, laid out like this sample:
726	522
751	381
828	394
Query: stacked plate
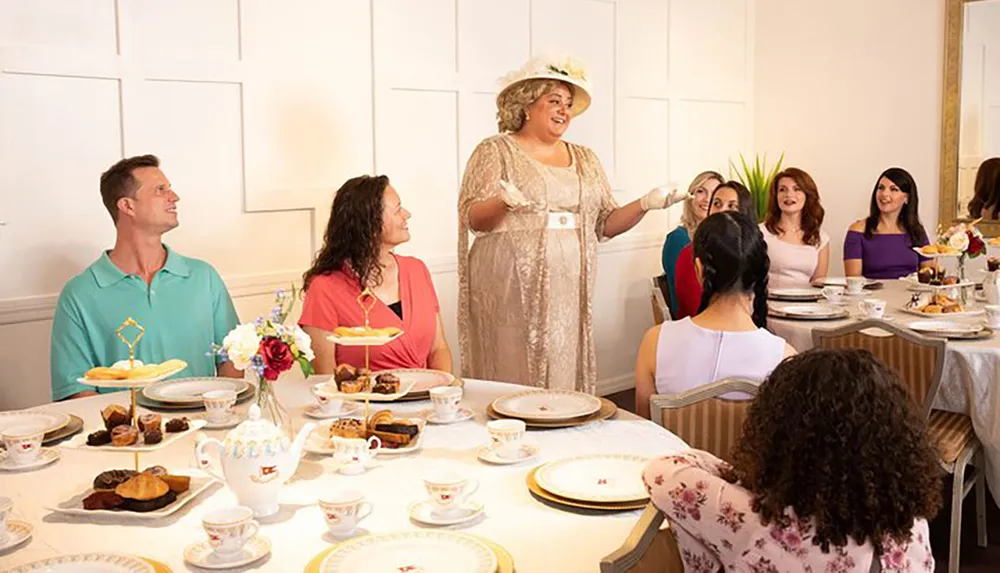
186	393
808	312
57	425
605	482
951	329
421	550
795	294
423	380
552	408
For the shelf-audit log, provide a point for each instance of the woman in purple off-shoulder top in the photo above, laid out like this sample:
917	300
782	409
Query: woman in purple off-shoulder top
881	246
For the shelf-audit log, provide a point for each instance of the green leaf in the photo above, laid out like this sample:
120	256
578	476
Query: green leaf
306	366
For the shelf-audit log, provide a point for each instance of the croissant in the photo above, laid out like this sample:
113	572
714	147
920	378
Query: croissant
143	487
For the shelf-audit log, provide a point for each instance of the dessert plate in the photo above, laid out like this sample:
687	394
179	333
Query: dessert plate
913	311
72	502
17	533
489	455
87	563
190	390
202	555
319	443
809	312
80	440
547	405
47	421
597	478
363	340
346	409
803	294
423	379
411	551
132	383
330	390
424	512
45	457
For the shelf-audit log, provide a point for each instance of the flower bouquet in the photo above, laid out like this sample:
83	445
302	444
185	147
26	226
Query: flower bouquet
265	348
966	240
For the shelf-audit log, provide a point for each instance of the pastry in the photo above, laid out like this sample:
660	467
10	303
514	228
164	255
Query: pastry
361	331
177	484
105	373
115	415
353	386
143	372
102	500
152	436
110	479
99	438
158	471
949	281
344	372
143	487
924	275
932	309
386	384
142	506
177	425
124	436
148	421
993	264
348	428
380	417
171	365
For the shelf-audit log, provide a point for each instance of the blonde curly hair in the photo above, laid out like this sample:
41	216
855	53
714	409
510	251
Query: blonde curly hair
513	103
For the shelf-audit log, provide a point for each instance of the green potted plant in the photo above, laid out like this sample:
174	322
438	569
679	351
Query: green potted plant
757	179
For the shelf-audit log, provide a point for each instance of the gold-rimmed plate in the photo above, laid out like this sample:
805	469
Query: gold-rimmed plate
47	420
505	562
142	400
158	567
608	410
610	507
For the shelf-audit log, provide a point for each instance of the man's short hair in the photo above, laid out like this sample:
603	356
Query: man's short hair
118	181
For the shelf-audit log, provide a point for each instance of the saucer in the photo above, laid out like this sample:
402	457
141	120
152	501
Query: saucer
17	532
527	452
232	422
45	457
340	465
424	512
201	554
462	415
346	409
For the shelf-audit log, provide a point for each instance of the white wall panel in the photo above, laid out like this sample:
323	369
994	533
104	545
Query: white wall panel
184	29
477	121
643	62
414	40
705	136
708	48
78	24
493	39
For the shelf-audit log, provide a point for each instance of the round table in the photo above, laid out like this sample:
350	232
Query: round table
969	384
539	537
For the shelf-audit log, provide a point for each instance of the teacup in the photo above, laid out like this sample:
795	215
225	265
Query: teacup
445	400
343	510
834	294
448	490
855	284
6	505
327	405
355	453
872	307
506	436
229	529
992	315
219	405
23	443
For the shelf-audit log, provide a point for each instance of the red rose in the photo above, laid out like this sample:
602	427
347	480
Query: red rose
976	245
277	357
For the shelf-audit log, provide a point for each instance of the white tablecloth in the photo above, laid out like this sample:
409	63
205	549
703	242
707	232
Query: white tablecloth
971	369
540	538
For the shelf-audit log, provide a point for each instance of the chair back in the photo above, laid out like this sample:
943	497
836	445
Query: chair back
918	360
702	418
659	295
648	548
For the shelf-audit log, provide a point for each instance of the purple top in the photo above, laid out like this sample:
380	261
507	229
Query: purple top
883	256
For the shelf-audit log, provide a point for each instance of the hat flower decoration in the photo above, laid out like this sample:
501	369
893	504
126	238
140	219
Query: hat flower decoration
564	69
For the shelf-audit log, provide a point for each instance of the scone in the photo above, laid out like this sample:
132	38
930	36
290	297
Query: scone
348	428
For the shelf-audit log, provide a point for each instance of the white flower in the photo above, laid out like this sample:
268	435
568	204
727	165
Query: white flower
303	343
241	344
959	241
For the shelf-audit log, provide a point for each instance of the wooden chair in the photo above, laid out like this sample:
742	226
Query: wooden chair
648	549
659	297
919	362
701	418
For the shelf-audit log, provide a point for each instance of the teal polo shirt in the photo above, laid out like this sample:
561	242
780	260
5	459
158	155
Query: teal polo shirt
185	309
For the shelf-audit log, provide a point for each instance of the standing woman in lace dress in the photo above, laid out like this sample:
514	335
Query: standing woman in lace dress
537	206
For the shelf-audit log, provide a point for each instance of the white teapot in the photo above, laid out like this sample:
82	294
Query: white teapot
991	287
257	459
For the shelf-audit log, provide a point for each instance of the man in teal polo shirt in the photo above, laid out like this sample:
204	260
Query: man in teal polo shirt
182	303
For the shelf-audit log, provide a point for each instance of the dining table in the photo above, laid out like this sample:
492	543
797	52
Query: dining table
540	537
970	382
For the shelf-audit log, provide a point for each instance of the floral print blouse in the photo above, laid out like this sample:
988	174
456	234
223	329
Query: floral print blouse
716	529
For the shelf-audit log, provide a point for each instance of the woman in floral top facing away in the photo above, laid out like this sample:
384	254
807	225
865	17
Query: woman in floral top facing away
834	470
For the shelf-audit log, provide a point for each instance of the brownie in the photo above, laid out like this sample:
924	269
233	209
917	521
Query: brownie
993	264
177	425
406	429
103	500
99	438
152	436
142	506
110	479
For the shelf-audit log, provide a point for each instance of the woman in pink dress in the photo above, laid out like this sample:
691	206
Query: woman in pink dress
833	471
367	222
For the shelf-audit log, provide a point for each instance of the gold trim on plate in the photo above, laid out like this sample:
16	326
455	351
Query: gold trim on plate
158	567
608	409
537	490
505	562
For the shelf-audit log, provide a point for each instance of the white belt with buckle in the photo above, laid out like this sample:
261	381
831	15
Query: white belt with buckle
562	220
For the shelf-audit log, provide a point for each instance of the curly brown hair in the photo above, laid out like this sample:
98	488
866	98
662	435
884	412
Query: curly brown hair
513	104
812	212
354	232
835	436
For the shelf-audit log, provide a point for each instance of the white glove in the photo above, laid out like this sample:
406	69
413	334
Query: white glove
662	197
512	196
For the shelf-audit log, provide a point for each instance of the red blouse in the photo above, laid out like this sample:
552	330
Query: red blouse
686	285
331	301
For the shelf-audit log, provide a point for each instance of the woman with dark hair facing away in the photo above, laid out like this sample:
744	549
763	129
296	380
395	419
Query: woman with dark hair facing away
834	470
798	247
367	222
728	336
881	246
729	196
986	201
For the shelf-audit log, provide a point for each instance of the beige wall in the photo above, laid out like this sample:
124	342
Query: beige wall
847	89
261	109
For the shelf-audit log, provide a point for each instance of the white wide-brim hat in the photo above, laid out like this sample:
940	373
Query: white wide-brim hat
560	69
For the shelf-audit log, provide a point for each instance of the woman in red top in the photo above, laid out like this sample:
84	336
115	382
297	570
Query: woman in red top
367	222
730	196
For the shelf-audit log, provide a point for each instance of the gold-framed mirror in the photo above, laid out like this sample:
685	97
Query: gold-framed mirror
970	126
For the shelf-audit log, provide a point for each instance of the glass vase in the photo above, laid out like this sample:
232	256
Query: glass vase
961	278
270	408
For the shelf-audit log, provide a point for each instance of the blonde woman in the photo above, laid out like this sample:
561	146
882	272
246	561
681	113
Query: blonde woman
695	211
537	206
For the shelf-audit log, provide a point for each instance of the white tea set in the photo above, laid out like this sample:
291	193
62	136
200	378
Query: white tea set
233	540
12	532
24	449
507	445
447	409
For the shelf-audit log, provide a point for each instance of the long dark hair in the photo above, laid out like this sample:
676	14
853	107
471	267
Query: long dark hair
987	189
354	232
743	196
734	258
812	211
909	216
834	435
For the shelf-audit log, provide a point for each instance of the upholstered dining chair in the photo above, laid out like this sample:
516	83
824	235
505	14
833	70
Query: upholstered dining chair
647	549
702	418
659	296
919	362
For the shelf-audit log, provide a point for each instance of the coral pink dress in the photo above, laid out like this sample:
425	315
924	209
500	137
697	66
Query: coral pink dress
716	528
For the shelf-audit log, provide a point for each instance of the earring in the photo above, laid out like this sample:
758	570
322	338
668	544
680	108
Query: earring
527	117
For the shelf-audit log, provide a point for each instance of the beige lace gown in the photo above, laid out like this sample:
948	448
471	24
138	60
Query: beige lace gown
525	312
